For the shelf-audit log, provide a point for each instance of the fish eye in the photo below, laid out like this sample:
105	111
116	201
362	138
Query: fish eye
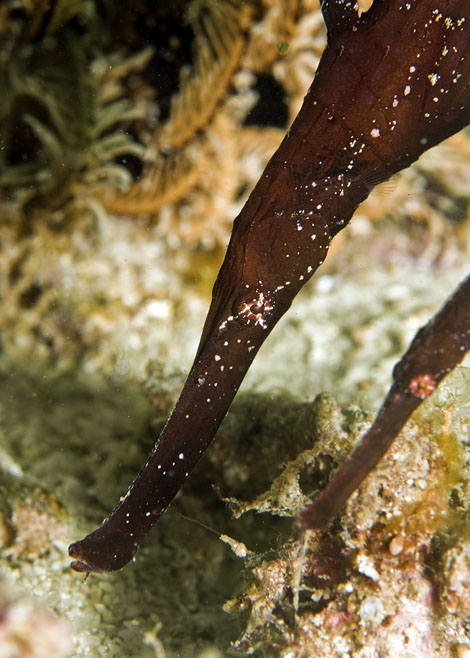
253	308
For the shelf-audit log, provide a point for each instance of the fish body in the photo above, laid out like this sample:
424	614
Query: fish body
391	83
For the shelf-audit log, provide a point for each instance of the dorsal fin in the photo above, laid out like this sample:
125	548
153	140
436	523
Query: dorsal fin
339	16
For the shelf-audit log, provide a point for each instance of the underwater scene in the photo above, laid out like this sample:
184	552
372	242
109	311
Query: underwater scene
132	135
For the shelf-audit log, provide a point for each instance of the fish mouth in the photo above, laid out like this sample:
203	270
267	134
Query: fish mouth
80	565
101	551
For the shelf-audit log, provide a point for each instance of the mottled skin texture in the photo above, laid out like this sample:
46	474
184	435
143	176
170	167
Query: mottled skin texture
390	85
436	349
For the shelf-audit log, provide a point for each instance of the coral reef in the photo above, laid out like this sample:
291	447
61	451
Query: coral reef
54	270
170	598
29	631
85	290
389	578
397	563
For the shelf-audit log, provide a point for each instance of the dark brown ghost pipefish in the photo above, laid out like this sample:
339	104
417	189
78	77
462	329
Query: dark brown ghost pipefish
391	83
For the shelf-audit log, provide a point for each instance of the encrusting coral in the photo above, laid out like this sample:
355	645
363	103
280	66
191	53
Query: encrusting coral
390	578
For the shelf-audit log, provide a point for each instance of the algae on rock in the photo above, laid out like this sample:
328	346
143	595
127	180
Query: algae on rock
389	576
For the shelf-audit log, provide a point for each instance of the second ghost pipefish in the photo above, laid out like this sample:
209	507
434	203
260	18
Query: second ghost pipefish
436	349
391	83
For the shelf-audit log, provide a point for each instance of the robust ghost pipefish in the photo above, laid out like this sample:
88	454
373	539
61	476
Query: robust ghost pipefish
391	83
436	349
